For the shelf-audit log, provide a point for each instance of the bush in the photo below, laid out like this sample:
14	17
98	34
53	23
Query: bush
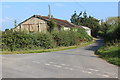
21	40
65	38
14	40
61	38
44	40
83	35
52	24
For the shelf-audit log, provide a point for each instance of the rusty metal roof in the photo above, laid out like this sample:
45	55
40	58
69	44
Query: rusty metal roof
58	21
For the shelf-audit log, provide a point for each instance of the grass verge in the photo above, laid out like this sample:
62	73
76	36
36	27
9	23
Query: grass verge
110	54
47	50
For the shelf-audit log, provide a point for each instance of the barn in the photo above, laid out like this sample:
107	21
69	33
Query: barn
37	23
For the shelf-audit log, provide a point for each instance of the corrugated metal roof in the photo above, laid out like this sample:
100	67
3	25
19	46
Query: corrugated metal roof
58	21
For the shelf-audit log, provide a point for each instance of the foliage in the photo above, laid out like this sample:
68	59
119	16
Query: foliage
83	35
112	20
6	29
65	38
84	20
44	40
12	40
110	30
68	38
51	25
46	50
110	53
21	40
15	23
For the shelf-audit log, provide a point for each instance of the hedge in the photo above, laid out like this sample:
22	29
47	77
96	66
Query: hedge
20	40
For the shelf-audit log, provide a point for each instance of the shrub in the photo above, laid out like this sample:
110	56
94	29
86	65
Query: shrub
68	38
21	40
44	40
61	38
52	24
83	35
14	40
65	38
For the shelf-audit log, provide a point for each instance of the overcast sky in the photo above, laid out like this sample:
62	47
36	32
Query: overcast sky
62	10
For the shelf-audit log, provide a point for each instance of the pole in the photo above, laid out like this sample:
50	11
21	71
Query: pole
49	11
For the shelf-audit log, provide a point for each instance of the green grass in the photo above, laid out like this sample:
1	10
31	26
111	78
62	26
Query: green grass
110	54
47	50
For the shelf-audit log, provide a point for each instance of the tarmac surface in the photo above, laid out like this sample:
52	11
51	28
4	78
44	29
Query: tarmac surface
72	63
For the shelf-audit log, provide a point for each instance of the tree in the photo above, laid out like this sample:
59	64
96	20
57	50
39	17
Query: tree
83	20
85	14
113	31
112	20
6	30
74	18
15	23
110	29
51	25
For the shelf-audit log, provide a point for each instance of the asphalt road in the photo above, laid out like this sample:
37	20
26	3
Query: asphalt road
73	63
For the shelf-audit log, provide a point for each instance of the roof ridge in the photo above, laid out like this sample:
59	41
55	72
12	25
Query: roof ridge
46	18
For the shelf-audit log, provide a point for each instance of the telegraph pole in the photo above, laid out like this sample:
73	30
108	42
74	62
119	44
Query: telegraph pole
49	11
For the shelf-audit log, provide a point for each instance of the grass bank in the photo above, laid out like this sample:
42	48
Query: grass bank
47	50
110	54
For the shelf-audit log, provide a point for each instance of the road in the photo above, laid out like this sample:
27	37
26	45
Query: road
73	63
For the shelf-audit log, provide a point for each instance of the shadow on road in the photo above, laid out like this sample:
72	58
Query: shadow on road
95	46
83	51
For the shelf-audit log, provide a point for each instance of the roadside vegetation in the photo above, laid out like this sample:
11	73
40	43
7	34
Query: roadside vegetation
47	50
110	54
109	30
83	19
14	42
42	42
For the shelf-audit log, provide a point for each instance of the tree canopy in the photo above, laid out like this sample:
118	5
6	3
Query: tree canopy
82	19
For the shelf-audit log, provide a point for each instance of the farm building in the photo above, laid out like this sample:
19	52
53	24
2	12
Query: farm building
37	23
88	30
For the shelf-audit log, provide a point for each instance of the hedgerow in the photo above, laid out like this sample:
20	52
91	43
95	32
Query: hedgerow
21	40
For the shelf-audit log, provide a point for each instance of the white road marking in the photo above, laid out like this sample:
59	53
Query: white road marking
86	72
71	69
63	64
105	75
47	64
58	66
68	68
102	75
93	69
89	72
109	73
